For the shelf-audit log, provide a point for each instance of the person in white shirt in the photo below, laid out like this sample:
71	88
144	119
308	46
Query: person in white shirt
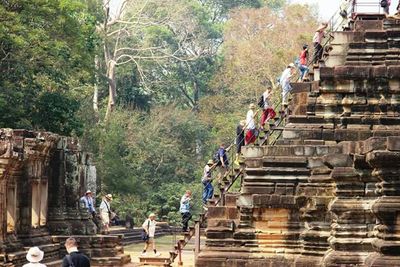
285	82
34	256
149	226
105	212
251	134
208	189
268	109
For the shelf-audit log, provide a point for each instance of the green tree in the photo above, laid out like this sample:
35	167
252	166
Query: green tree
46	53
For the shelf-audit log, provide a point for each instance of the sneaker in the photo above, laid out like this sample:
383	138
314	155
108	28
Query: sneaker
143	254
158	254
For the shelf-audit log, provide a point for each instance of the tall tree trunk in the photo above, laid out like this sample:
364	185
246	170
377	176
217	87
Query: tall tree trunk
96	89
112	88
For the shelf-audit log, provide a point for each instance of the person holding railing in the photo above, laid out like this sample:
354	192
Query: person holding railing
284	81
266	105
221	160
239	139
251	134
317	40
303	64
185	210
208	189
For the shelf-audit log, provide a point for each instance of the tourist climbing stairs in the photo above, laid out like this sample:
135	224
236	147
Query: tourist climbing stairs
279	175
228	181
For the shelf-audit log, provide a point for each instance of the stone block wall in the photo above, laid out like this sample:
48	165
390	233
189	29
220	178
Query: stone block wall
328	193
42	176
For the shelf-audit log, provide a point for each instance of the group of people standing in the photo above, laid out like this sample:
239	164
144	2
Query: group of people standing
105	212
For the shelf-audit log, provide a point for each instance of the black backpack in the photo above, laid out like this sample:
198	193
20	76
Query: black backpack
69	260
261	102
216	158
384	3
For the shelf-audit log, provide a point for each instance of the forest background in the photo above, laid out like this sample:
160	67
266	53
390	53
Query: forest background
151	89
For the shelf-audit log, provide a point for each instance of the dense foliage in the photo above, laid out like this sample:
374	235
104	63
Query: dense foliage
151	90
46	63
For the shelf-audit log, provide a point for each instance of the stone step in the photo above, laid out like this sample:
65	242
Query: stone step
110	261
300	150
155	261
256	180
284	162
278	171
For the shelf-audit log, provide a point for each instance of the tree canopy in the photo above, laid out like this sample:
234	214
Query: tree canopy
151	90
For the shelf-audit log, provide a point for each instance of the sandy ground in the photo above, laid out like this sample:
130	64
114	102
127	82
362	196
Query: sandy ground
164	245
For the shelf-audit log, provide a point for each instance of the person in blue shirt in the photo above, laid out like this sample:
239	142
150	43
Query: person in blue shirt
87	201
185	210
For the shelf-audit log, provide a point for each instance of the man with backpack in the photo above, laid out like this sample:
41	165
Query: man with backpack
149	230
74	258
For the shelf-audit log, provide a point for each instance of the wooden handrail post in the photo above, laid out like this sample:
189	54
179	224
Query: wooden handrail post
197	239
222	198
180	263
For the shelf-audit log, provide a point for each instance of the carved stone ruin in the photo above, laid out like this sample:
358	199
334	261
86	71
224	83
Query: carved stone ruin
42	176
328	193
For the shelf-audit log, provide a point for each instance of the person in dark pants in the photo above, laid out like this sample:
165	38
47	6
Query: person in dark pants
206	180
317	40
74	257
185	210
239	139
222	162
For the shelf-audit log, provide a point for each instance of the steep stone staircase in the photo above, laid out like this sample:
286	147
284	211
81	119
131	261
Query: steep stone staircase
224	200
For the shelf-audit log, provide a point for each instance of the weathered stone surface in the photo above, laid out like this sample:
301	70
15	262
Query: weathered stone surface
42	176
328	193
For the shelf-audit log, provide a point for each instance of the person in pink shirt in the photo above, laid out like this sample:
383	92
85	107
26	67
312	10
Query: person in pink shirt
317	40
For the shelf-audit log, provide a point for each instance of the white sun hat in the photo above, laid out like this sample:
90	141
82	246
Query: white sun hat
34	255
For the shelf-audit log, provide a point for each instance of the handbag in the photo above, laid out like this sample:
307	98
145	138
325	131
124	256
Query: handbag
111	214
145	235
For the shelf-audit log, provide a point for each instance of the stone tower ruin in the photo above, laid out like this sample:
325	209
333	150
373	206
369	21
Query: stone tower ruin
42	176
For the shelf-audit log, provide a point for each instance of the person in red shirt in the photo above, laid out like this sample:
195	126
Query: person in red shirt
303	66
